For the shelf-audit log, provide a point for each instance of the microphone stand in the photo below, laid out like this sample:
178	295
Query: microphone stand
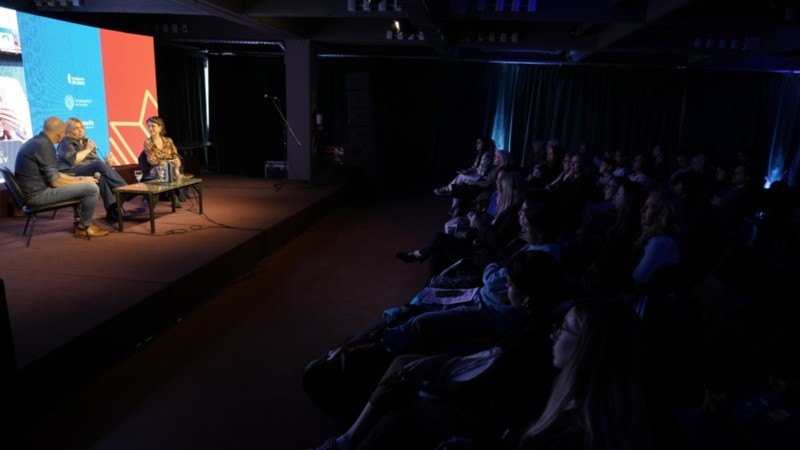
286	126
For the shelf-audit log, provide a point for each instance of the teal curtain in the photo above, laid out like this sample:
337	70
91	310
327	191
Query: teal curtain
605	109
784	157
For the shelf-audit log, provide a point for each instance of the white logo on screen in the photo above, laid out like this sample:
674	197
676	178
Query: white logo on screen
75	81
69	102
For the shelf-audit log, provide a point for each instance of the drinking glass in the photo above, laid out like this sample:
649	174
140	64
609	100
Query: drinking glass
138	174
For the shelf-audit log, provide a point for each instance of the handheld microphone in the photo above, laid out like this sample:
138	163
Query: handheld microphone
97	175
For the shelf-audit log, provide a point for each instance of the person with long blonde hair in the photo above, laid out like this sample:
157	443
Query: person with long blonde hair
78	155
597	400
484	232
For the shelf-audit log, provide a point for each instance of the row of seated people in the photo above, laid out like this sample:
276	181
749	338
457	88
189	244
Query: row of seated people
74	171
638	339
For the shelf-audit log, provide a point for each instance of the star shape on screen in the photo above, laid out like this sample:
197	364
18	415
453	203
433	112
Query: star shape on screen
119	143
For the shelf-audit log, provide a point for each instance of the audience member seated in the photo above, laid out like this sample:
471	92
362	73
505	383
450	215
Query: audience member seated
671	332
623	163
682	164
660	166
159	150
485	148
721	184
422	401
705	241
605	171
610	234
538	232
37	173
741	203
563	174
487	233
658	248
597	400
77	155
476	193
577	189
693	335
489	316
543	173
642	170
538	155
655	257
700	163
603	202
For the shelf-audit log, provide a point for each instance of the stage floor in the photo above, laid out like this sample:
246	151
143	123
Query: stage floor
68	297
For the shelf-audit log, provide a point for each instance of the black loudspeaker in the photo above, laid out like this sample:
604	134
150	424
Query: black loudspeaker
275	169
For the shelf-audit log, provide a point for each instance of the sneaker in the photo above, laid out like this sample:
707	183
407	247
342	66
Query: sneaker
442	191
90	231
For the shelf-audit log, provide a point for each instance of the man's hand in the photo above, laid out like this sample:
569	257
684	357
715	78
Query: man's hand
66	180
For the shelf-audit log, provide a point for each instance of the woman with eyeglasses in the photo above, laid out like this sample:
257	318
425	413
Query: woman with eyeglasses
596	401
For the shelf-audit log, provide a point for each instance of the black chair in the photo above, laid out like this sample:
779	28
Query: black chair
30	211
145	165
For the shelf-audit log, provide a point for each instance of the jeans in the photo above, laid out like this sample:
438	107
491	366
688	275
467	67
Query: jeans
87	192
109	178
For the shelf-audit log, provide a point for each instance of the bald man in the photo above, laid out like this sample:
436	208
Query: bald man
41	182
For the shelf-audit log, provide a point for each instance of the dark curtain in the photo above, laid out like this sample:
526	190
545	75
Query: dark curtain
246	126
181	93
425	118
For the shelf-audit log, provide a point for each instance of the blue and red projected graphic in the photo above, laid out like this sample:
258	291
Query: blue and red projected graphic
55	68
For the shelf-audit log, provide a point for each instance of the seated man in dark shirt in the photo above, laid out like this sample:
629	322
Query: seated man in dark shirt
41	182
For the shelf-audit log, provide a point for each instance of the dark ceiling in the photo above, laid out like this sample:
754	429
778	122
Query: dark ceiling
715	34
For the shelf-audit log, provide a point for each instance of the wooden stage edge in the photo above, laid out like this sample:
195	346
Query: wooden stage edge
48	381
